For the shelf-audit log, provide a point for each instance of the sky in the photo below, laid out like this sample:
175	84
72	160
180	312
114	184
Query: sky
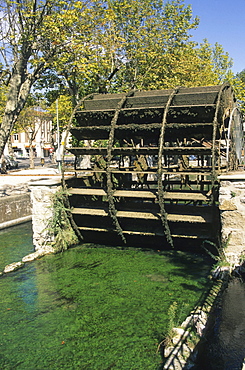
222	21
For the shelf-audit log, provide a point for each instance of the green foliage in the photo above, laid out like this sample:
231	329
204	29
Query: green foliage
60	224
145	44
172	312
77	47
64	107
238	84
218	253
214	64
3	97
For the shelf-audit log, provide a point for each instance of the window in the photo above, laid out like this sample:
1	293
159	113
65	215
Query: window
16	137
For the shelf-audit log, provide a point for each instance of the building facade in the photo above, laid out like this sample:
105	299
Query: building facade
43	143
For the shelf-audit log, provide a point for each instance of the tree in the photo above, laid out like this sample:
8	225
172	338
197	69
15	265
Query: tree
238	83
31	120
158	31
130	43
64	106
146	44
32	35
215	63
89	46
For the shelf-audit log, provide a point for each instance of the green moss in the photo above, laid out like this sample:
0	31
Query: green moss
60	225
96	307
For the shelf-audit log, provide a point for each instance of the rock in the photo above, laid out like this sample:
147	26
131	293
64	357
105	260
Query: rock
227	205
224	191
7	190
188	322
200	328
239	185
176	357
179	335
32	256
168	351
234	220
13	266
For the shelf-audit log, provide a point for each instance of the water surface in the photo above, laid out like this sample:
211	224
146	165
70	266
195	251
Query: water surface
93	307
224	347
15	243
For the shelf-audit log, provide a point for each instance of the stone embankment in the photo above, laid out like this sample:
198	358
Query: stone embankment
182	347
15	198
232	213
16	205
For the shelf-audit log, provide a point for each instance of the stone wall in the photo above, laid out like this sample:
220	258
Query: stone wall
232	212
14	209
42	213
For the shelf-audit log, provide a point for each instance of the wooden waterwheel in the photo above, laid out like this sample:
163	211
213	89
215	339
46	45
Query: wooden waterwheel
153	158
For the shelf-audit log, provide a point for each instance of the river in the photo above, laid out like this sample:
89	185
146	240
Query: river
93	307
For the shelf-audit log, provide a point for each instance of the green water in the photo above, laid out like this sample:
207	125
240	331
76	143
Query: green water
15	243
94	308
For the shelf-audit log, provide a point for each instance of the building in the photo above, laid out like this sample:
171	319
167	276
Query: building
43	143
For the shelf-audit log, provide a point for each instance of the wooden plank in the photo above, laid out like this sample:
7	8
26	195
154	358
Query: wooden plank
117	193
87	191
151	100
141	215
181	150
152	129
185	196
140	194
143	126
135	194
186	235
179	114
127	232
174	174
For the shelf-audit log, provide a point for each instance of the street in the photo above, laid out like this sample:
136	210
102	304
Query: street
24	163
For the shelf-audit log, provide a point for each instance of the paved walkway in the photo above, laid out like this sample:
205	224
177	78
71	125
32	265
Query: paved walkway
17	182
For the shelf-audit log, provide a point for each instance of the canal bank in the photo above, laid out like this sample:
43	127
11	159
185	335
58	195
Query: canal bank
232	215
15	200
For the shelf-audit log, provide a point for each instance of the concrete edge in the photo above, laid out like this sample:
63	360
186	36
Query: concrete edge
17	221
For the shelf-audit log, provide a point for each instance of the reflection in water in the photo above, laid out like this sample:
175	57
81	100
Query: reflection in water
94	308
225	346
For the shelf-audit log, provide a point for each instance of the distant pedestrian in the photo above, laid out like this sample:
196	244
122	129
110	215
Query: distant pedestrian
42	161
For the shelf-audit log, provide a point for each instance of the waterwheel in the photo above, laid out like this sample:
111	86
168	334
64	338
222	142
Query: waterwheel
152	161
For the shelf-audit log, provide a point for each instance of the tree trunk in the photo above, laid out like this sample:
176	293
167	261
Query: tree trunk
19	87
31	157
10	148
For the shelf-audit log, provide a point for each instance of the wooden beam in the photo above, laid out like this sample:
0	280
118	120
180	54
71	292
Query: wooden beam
141	215
185	235
167	150
179	114
148	194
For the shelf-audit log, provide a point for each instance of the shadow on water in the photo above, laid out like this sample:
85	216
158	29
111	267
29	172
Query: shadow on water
222	344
